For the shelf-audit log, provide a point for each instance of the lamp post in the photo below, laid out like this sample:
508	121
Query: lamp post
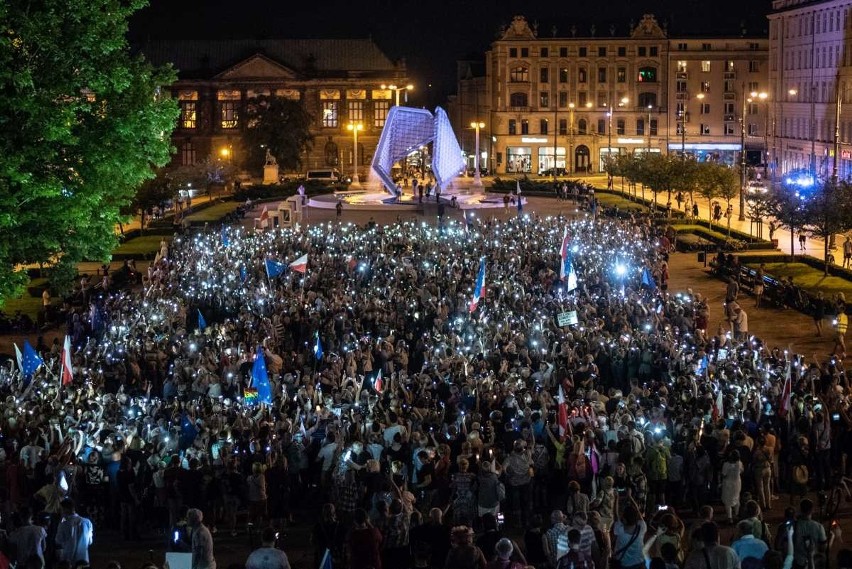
397	90
621	103
355	127
571	107
754	95
477	180
650	107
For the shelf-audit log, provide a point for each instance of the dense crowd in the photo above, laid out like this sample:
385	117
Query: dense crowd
433	425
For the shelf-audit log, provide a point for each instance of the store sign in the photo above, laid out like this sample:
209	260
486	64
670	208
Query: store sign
703	146
632	141
533	140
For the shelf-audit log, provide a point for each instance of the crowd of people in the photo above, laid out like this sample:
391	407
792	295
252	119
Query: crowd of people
436	393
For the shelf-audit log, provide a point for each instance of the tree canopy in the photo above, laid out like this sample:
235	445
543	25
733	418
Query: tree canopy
280	125
83	126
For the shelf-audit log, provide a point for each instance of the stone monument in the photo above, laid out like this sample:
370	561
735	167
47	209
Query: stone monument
270	169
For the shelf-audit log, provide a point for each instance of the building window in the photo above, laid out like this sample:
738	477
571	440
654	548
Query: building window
680	86
754	46
518	100
513	126
601	126
601	74
513	52
602	52
187	154
602	99
563	99
582	75
582	126
622	51
752	108
542	126
518	159
705	66
752	129
519	74
706	47
380	113
543	75
704	129
679	109
355	111
563	127
621	74
654	51
729	108
648	75
704	108
582	98
753	86
705	86
583	52
647	100
640	127
187	114
563	52
682	47
563	74
619	127
729	86
525	126
681	66
330	114
654	124
229	102
525	52
544	99
681	129
730	66
543	52
643	51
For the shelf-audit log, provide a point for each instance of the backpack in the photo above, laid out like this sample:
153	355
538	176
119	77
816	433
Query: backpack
573	560
540	458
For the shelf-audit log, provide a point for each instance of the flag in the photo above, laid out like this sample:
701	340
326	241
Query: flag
786	391
264	214
566	271
31	360
648	279
19	357
300	265
378	383
520	205
718	405
250	396
202	323
226	239
326	560
67	372
479	290
318	347
274	268
188	432
518	186
562	412
260	379
243	274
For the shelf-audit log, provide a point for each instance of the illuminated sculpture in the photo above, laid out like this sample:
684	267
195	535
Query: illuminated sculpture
407	129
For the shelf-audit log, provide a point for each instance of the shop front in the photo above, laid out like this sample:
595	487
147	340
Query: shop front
723	153
519	159
546	162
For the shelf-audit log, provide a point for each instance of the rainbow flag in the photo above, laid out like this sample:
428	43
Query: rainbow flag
250	396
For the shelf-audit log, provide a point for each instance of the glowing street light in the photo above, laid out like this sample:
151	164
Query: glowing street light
477	180
355	127
397	90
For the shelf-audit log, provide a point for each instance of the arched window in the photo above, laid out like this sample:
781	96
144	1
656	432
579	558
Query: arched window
519	74
647	75
518	100
582	126
647	100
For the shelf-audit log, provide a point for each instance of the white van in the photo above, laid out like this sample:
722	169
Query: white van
329	175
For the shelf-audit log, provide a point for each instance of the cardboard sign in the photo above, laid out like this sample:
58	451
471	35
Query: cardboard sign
567	318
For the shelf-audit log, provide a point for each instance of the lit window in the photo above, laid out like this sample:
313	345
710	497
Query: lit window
705	66
330	114
648	75
229	108
519	74
187	114
518	100
380	113
355	111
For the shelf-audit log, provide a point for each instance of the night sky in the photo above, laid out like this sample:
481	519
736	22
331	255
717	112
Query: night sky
433	35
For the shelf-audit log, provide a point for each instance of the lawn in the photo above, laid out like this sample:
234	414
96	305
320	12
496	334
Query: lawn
29	305
213	213
607	199
808	278
145	245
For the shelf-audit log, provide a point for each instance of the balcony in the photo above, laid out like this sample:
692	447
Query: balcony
518	109
730	118
682	96
730	74
729	96
683	75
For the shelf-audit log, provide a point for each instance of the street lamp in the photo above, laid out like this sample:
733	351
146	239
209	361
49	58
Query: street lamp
477	180
225	153
398	90
355	127
621	103
571	107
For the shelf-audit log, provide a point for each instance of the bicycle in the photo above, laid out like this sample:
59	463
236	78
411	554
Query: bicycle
834	497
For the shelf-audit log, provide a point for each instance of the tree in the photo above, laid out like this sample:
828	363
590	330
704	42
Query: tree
728	186
85	125
787	207
705	184
280	125
827	211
